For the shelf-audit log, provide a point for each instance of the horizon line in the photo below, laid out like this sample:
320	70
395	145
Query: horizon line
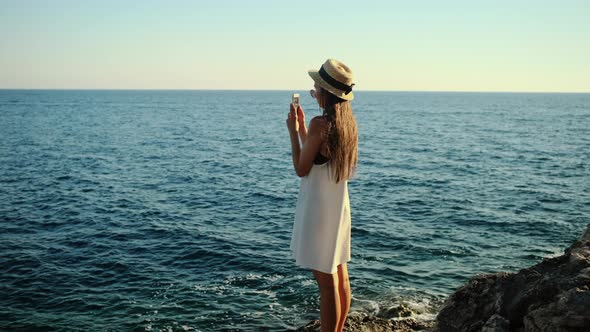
232	89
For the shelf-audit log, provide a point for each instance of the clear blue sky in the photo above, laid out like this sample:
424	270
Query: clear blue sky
223	44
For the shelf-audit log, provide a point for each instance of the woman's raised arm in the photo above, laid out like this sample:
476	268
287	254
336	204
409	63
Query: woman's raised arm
303	156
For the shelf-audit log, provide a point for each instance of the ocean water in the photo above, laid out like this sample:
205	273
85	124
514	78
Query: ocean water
173	210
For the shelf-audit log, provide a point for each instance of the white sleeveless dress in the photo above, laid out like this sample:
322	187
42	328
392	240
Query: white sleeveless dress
321	231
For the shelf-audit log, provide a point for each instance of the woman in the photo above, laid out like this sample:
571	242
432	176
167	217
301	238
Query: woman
325	162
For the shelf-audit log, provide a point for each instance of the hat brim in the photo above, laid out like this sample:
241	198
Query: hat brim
315	75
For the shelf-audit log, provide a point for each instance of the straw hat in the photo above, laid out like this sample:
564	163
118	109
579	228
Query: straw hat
335	77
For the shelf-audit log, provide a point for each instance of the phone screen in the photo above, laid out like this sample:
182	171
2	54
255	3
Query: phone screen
295	100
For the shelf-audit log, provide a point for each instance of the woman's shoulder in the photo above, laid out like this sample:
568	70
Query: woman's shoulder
320	126
319	121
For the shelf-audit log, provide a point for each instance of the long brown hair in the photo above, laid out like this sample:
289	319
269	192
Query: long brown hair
342	135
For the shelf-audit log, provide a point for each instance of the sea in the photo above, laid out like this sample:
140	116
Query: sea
164	210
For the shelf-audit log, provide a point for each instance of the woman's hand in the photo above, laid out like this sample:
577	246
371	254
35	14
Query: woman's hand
292	120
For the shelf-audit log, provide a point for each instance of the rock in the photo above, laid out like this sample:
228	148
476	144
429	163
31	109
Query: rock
360	322
496	323
312	326
396	312
569	312
553	295
365	323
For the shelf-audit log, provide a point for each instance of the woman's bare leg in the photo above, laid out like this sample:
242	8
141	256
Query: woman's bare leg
344	293
329	300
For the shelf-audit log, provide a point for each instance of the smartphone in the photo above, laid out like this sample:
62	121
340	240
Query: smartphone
295	101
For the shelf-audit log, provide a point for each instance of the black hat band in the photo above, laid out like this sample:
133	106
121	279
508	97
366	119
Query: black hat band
333	82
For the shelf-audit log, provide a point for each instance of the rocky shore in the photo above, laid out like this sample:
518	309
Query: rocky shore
553	295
